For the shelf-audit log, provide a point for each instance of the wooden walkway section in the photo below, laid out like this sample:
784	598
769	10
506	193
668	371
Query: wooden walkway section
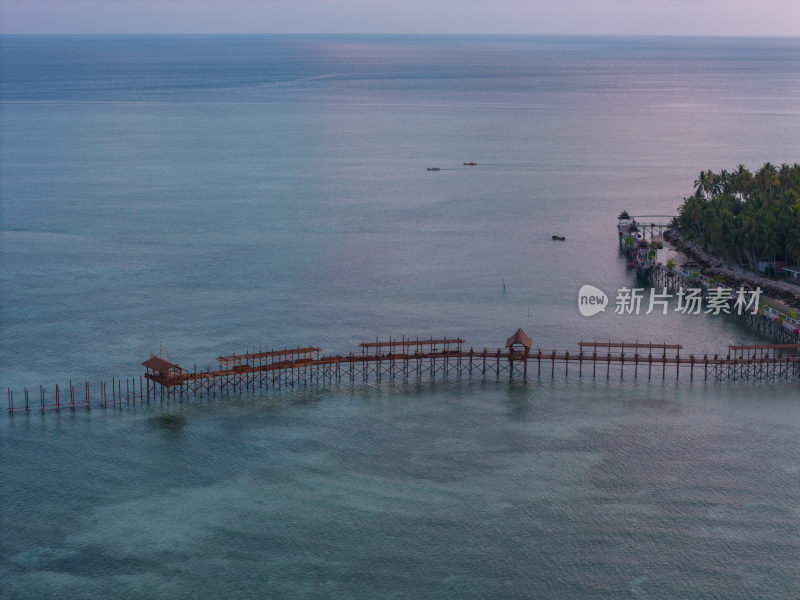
406	359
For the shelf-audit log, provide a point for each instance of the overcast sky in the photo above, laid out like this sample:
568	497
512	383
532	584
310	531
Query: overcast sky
670	17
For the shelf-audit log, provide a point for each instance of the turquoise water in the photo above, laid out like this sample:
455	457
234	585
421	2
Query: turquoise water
213	193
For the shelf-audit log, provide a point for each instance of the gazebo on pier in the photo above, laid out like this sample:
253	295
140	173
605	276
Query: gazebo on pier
519	344
161	370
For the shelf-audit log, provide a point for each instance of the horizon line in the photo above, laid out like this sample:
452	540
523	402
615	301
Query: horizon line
419	34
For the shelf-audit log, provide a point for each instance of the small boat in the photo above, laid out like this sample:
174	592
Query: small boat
471	164
559	238
434	169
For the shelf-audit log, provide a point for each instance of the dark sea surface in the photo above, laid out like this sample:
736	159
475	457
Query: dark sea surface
213	193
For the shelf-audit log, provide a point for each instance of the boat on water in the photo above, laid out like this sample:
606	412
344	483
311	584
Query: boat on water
559	238
471	164
434	169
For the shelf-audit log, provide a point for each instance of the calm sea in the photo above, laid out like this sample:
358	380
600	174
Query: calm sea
209	194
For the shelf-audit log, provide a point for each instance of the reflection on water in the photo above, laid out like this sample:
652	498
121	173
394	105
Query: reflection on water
171	422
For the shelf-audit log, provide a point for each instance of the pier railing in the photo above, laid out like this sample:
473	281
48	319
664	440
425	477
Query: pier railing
625	360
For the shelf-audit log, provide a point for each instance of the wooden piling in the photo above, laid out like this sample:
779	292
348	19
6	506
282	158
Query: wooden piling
393	358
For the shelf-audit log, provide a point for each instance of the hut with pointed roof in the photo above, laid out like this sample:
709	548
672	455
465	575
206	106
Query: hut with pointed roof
519	344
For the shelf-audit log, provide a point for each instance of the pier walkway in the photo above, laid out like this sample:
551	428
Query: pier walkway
406	359
416	359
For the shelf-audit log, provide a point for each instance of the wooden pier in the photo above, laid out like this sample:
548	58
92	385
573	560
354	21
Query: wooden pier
649	225
408	359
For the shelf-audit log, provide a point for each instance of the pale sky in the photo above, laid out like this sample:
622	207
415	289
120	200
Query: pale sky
659	17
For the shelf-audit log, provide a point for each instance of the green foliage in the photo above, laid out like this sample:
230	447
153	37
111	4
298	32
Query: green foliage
746	216
670	264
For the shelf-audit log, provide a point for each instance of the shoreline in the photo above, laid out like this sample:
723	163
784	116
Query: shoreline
777	291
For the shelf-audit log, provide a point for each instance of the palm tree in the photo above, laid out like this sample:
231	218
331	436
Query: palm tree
723	182
692	213
741	181
704	184
749	233
768	176
793	237
699	184
749	216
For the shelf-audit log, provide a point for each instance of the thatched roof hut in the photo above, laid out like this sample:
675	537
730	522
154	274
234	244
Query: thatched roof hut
520	338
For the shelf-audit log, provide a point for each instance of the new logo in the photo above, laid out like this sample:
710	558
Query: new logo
591	300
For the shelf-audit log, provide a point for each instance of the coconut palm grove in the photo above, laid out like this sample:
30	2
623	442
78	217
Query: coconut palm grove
746	217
